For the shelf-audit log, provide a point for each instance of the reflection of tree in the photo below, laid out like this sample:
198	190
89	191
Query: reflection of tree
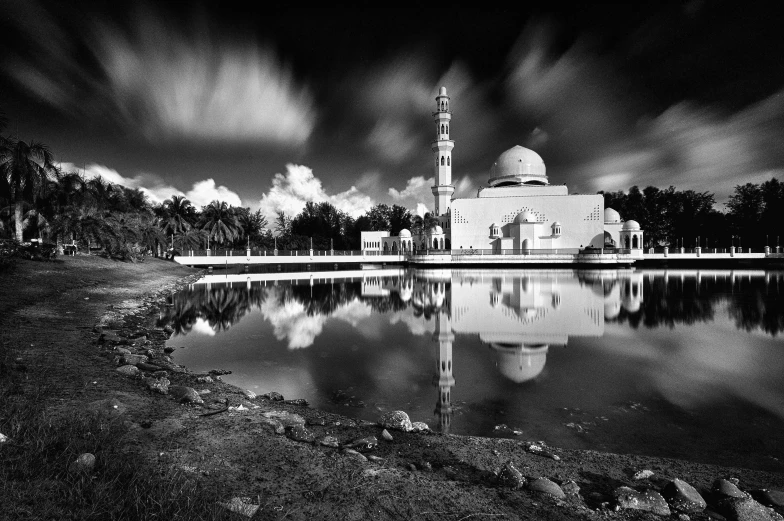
756	303
221	306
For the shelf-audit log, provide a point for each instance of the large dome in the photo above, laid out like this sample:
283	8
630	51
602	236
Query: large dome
611	216
520	363
518	166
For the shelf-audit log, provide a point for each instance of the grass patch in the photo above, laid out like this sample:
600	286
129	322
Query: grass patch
35	480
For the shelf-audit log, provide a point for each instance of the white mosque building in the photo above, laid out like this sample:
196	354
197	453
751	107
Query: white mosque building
520	212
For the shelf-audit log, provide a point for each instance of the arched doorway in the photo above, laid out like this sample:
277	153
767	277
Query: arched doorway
634	241
394	246
435	244
386	247
448	244
626	241
526	245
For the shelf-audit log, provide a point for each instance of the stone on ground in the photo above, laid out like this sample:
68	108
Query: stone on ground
397	420
241	505
774	498
185	394
545	486
84	463
571	488
300	433
385	435
510	477
354	454
330	441
363	444
726	488
419	427
128	370
133	359
158	385
288	419
642	474
250	395
648	501
274	425
683	497
747	509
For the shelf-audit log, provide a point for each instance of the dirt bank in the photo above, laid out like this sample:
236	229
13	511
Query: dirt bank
48	314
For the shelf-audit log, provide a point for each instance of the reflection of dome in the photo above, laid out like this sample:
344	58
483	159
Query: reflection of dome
632	305
611	216
518	166
526	217
404	233
631	225
405	293
518	362
436	230
612	308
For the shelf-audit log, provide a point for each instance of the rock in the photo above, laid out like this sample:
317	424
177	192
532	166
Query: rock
159	374
419	427
317	421
145	366
219	372
385	435
274	425
299	401
683	497
364	444
128	370
774	498
725	488
158	385
354	454
747	509
545	486
185	394
642	474
411	467
250	395
398	420
204	380
570	488
330	441
648	501
683	517
374	459
168	329
168	349
133	359
300	433
122	351
426	466
84	463
275	397
4	438
241	505
204	392
510	477
288	419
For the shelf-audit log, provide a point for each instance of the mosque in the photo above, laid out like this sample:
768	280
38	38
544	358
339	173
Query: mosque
520	212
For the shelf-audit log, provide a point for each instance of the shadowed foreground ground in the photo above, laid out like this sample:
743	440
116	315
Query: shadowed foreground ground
158	459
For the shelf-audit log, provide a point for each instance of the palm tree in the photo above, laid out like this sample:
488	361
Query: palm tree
220	222
178	213
25	172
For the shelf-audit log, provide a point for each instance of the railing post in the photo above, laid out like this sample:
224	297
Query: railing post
666	251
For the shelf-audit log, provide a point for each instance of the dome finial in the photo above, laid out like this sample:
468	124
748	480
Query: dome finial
442	91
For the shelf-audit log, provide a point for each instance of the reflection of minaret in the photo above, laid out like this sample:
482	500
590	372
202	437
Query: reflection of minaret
443	334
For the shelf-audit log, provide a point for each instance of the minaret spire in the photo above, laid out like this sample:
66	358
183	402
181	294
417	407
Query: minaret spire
442	148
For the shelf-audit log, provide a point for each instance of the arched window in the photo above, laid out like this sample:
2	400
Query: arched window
447	129
442	105
627	241
442	129
634	241
448	162
442	244
394	246
435	244
442	160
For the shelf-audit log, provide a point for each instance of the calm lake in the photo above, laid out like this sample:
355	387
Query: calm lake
675	363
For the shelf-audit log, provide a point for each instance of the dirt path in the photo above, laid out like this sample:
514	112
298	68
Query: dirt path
47	316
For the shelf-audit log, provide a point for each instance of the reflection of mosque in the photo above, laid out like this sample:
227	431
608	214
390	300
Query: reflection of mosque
517	314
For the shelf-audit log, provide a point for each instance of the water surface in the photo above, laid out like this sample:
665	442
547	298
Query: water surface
682	363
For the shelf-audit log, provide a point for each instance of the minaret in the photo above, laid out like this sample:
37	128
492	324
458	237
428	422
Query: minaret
442	147
443	334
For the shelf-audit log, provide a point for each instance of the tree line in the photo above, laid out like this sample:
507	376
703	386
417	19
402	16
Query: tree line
681	218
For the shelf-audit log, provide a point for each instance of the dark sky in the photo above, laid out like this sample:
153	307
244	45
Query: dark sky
217	99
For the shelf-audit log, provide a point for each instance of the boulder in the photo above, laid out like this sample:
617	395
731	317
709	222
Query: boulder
545	486
419	427
773	498
300	433
648	501
274	425
128	370
570	488
510	477
158	385
330	441
398	420
642	474
724	488
275	397
133	359
185	394
747	509
683	497
385	435
84	463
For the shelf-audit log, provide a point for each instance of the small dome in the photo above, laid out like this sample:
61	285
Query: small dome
404	233
442	91
437	230
611	216
520	363
556	223
631	226
518	166
526	217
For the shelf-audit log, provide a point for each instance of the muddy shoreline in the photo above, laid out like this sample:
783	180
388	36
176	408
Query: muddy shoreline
97	312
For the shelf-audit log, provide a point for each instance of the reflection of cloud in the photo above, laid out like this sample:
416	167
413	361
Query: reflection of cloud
416	325
290	192
291	321
202	327
156	189
354	312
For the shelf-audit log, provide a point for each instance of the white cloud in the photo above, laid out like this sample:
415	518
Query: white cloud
290	192
193	86
393	140
417	189
156	189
